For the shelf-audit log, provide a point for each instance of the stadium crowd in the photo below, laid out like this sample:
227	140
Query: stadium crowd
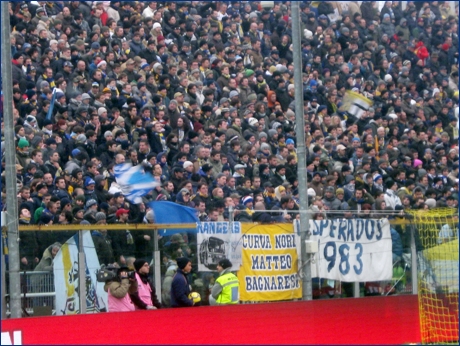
201	95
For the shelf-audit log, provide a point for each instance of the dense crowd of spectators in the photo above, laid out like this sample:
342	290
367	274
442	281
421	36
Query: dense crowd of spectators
201	94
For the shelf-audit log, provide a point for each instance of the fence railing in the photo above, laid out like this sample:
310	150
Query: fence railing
37	292
37	288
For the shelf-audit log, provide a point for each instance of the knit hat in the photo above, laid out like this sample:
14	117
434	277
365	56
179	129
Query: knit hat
329	189
249	73
75	152
264	146
139	263
100	216
233	93
272	132
225	263
311	192
417	162
65	201
377	177
389	183
89	181
108	134
23	143
90	203
262	134
246	200
182	262
187	164
339	191
81	138
30	93
80	197
421	172
431	203
252	97
346	168
252	121
76	210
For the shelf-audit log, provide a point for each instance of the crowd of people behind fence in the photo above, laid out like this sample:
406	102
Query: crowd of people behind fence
201	95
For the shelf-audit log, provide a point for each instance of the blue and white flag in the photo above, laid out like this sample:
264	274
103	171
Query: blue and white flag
66	278
53	101
134	182
173	213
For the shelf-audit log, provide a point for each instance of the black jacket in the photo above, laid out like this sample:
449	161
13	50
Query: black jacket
103	247
180	289
263	217
154	141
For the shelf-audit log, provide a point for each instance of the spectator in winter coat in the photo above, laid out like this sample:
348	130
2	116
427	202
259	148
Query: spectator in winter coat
28	243
387	26
46	262
331	202
102	242
119	291
180	287
391	198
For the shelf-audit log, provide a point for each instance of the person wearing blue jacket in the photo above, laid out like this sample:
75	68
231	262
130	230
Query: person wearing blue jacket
180	287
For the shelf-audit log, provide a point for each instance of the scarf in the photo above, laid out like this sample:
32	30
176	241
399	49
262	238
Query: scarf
201	195
25	219
50	81
378	186
268	194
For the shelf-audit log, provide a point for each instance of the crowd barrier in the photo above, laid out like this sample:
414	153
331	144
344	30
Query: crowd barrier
37	293
209	246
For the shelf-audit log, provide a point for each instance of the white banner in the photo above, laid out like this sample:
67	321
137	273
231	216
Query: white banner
355	250
66	278
215	242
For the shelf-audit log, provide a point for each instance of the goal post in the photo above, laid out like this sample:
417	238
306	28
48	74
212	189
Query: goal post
438	271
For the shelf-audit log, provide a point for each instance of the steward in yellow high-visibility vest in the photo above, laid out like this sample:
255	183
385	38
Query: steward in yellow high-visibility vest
226	289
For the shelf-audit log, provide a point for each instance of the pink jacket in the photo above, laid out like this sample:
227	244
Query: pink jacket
145	292
120	305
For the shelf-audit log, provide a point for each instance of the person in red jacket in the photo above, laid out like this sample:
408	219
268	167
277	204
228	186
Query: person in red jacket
421	52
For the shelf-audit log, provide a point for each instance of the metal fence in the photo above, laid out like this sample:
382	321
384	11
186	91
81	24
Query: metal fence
37	293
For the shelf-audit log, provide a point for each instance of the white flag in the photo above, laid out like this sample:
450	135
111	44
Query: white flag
66	278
